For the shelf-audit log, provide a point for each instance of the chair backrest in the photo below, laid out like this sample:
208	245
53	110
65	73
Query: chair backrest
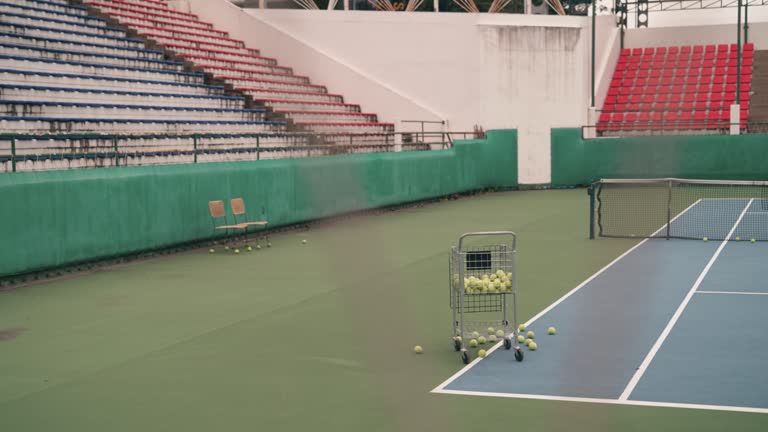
238	206
217	209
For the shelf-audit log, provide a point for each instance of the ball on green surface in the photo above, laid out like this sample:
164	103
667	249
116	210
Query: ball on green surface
528	342
249	249
499	333
551	330
481	340
458	338
492	339
531	334
237	251
269	244
521	327
258	247
491	330
304	241
211	250
417	349
521	338
532	346
482	353
226	247
475	335
706	238
753	240
473	343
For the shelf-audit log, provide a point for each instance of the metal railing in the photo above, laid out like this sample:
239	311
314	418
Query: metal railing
672	127
25	152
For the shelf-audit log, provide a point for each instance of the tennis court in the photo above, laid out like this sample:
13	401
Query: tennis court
673	323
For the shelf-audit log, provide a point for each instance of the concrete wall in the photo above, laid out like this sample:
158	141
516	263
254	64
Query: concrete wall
695	35
496	71
608	48
306	59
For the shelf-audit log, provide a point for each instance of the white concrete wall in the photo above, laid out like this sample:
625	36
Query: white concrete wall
496	71
608	48
306	59
695	35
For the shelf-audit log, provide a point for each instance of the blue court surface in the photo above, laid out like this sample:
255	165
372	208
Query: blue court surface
677	323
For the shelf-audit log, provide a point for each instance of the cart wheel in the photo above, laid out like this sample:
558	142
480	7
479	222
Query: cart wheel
465	357
507	342
456	345
518	354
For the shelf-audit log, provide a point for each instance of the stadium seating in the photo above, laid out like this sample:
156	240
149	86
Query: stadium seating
309	106
69	81
677	89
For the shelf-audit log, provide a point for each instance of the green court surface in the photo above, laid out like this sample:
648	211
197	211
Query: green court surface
315	336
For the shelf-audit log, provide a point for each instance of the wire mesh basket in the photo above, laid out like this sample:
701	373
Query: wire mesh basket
482	277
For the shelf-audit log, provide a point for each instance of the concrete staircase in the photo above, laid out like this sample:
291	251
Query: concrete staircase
758	110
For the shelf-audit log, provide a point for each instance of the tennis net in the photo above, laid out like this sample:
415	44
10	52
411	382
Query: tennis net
677	208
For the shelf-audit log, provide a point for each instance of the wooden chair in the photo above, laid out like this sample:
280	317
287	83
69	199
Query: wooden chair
218	213
241	218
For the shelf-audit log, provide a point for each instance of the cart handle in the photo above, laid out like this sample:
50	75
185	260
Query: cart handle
490	233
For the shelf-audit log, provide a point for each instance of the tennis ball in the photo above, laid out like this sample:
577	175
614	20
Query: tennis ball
491	330
473	343
211	251
508	285
417	349
482	353
237	251
532	346
706	238
528	342
521	327
458	338
475	335
250	248
481	340
497	284
753	240
269	244
304	241
551	330
258	247
738	238
499	333
521	338
493	277
226	247
531	334
492	338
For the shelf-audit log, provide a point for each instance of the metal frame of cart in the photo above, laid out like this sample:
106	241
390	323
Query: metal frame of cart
481	278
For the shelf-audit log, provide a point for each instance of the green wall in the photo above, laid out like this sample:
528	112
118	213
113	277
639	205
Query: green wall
577	161
55	218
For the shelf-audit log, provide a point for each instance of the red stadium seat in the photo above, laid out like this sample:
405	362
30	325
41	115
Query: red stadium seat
730	88
720	70
689	98
722	47
710	48
748	47
637	52
718	79
679	81
747	62
662	99
687	106
716	97
722	55
646	107
700	120
622	100
676	89
717	88
729	98
715	106
705	80
636	99
625	52
731	79
708	63
653	82
675	98
673	50
685	50
701	105
746	79
648	51
619	108
698	49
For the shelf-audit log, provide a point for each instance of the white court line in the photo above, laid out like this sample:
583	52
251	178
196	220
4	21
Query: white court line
732	292
463	370
609	401
655	348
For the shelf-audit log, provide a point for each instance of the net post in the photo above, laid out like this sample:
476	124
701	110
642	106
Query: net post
669	207
116	149
591	192
194	147
13	154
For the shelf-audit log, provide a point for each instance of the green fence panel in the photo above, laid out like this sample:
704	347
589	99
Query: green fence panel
56	218
577	161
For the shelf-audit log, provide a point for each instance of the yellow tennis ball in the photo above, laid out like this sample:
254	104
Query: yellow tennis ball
482	353
528	342
551	330
417	349
521	338
532	346
237	251
521	327
531	334
473	343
